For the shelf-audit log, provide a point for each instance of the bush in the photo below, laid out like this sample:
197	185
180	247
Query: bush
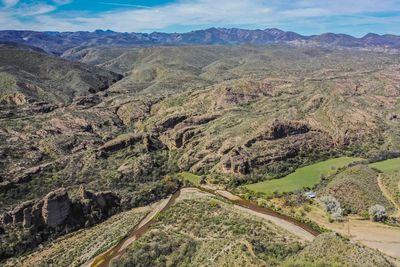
332	206
377	213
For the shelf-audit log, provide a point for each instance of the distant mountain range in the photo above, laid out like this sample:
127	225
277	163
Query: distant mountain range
59	42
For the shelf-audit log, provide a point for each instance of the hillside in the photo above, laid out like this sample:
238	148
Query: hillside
234	114
292	108
357	190
202	230
27	75
166	69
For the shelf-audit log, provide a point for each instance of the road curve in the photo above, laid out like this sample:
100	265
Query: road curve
301	230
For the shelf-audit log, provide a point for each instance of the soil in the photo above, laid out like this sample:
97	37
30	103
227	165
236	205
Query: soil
374	235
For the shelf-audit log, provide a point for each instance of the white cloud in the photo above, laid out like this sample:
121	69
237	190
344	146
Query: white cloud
288	14
34	10
123	5
306	12
10	3
201	12
62	2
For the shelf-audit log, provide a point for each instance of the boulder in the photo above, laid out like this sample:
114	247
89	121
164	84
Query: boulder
134	111
284	129
278	130
57	211
56	208
26	176
17	213
86	101
201	119
180	137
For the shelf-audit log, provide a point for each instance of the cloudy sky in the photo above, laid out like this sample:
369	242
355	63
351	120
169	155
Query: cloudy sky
356	17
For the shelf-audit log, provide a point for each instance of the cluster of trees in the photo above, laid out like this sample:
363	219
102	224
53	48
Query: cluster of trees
376	213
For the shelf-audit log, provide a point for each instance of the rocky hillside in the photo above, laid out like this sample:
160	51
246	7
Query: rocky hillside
177	69
202	230
58	42
236	114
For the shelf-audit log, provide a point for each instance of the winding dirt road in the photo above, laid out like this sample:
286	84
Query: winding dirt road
114	252
301	230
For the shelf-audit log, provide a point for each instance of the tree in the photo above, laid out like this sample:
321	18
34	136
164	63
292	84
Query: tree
377	213
332	206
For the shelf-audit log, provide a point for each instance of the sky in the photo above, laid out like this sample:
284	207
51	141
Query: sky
355	17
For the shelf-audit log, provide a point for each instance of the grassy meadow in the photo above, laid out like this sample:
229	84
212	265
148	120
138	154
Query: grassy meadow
304	177
193	178
387	166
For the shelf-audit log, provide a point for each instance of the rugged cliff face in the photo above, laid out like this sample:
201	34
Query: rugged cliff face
57	214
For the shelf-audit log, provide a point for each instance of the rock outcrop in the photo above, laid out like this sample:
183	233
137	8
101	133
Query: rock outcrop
278	130
170	122
17	99
19	213
121	142
39	107
56	208
54	215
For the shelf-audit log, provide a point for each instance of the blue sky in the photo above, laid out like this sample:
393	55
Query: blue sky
356	17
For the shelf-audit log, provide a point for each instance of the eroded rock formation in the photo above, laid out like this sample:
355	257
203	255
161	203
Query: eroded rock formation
56	209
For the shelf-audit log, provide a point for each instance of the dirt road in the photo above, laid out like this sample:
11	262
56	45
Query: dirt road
303	231
371	234
114	252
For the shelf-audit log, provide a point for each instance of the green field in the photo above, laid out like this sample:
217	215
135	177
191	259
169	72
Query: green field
193	178
387	166
308	176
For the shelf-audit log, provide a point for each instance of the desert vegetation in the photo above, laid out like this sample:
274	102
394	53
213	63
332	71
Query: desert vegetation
80	247
201	229
271	119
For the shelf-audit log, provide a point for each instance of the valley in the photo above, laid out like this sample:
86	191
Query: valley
199	155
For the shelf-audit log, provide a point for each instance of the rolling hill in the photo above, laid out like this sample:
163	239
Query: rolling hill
27	75
234	114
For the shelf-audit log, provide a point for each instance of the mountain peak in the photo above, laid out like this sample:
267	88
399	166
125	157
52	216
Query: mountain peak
58	42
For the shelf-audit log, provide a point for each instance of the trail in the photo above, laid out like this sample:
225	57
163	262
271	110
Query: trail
301	230
116	251
388	196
